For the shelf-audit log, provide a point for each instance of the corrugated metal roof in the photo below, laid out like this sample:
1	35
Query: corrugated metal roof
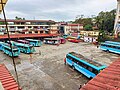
108	79
7	79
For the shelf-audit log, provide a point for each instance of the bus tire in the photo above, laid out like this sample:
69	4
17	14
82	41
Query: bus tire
73	67
90	78
107	50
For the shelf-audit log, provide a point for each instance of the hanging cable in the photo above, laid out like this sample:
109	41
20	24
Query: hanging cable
2	4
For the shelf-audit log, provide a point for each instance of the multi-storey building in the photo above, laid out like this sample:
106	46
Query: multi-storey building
29	26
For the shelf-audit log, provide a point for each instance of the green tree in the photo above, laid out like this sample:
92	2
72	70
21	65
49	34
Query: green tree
19	18
103	37
84	21
88	27
105	20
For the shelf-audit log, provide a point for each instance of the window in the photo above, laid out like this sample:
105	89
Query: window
21	27
30	32
29	27
41	31
15	50
36	31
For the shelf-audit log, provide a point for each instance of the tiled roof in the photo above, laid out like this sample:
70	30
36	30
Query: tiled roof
75	24
7	79
27	35
108	79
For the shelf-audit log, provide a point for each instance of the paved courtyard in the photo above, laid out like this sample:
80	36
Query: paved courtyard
48	72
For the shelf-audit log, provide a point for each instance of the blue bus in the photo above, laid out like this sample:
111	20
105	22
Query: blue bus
1	47
34	42
109	47
85	66
7	50
112	42
65	36
25	48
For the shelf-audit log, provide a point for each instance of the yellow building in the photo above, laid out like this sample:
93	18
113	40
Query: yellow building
89	33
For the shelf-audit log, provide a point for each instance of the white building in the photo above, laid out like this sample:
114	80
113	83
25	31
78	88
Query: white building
90	39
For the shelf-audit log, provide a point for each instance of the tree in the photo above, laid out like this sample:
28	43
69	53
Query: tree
88	27
84	21
105	20
103	37
19	18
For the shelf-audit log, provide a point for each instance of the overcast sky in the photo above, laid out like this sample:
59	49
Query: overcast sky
58	10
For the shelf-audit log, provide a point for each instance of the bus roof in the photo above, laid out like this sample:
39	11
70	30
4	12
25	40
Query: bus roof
1	42
111	44
51	38
32	40
92	63
24	41
8	46
21	44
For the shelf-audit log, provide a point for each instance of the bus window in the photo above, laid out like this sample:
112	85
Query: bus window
90	69
95	71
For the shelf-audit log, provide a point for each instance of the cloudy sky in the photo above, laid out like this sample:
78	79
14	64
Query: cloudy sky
59	10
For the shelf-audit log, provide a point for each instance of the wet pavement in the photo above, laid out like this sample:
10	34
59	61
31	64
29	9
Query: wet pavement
48	72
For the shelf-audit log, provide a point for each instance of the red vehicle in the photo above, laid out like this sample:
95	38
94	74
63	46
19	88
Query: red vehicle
95	43
62	41
74	40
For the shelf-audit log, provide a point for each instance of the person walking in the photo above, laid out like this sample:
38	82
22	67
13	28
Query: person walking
80	86
30	58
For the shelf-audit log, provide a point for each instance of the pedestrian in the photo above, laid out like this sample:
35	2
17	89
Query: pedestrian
30	58
30	55
97	46
80	86
65	61
39	52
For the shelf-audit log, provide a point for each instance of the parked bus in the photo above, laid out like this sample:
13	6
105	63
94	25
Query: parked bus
23	41
53	41
25	48
7	50
34	42
110	47
86	66
112	42
1	47
65	36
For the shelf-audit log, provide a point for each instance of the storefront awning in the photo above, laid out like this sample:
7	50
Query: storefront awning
4	2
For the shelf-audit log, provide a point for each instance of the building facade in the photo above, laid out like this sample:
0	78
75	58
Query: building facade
89	33
32	26
70	28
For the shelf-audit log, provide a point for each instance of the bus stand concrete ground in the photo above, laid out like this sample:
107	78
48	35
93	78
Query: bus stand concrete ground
46	71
